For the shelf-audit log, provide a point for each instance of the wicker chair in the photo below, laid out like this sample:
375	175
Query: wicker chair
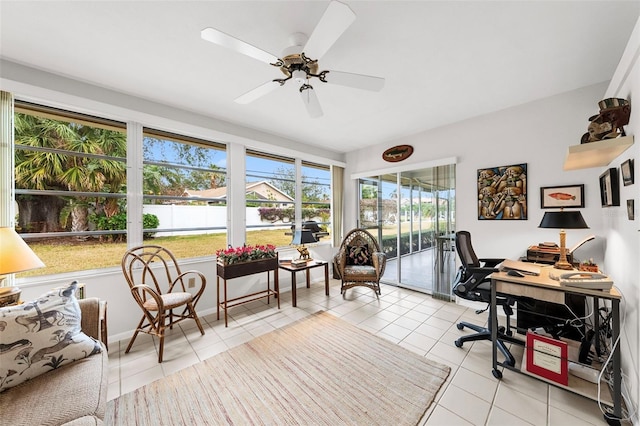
359	261
157	266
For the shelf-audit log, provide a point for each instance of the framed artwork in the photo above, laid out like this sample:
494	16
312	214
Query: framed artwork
627	172
630	209
553	197
502	193
609	188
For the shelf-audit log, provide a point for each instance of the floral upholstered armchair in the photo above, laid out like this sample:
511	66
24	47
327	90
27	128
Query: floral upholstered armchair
360	261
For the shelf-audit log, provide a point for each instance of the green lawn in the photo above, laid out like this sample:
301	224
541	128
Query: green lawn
66	256
69	256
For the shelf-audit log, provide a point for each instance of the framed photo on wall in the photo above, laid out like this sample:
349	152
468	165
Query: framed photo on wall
630	209
502	192
609	188
627	172
553	197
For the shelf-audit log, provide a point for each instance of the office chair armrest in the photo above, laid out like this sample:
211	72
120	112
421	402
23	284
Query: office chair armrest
471	270
490	262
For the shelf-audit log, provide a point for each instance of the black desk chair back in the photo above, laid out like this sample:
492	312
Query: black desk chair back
472	283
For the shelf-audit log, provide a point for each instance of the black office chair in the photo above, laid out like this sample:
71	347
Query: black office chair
472	283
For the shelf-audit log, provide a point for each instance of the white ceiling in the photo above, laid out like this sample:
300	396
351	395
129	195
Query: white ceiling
444	61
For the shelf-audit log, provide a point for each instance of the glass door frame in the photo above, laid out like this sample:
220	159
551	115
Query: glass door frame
376	176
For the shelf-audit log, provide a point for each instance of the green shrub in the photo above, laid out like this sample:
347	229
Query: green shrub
149	221
118	222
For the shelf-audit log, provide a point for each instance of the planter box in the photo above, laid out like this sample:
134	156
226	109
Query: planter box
236	270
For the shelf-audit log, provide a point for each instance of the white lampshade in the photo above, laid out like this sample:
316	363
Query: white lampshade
15	254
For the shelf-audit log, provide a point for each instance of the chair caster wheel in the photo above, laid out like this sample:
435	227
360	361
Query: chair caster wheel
460	326
458	343
496	373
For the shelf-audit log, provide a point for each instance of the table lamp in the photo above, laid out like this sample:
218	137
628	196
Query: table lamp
563	220
300	238
15	256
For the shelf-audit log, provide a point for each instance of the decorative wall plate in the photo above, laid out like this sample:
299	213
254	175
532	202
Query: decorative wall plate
397	153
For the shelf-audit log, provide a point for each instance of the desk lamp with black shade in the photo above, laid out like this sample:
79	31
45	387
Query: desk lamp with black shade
563	220
15	256
300	238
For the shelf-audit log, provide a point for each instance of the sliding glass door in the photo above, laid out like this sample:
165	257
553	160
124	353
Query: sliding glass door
409	213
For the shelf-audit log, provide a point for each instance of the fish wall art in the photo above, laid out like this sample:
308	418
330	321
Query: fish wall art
555	197
502	193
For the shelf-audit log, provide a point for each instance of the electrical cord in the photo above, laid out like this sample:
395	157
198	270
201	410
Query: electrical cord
627	416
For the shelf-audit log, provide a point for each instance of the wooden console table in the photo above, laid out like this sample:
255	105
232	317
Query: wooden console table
236	270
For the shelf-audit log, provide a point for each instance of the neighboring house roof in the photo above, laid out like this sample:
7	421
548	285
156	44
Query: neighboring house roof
262	189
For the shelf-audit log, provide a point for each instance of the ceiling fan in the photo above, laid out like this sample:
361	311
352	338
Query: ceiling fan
296	62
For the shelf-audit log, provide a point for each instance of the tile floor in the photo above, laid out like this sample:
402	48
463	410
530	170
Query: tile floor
426	326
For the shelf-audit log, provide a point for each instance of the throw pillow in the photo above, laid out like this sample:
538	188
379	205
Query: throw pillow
358	255
42	335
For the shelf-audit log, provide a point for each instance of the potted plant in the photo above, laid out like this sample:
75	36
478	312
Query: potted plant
236	262
588	265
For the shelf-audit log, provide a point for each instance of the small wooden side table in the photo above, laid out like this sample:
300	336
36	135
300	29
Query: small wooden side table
287	266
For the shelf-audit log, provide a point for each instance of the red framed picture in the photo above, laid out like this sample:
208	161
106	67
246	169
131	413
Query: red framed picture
547	357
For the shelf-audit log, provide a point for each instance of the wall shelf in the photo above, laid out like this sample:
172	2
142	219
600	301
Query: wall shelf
596	154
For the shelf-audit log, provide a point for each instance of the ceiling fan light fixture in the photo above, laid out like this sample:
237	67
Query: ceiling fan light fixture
299	76
299	61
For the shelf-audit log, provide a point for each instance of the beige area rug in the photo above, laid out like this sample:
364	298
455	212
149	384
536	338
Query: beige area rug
320	370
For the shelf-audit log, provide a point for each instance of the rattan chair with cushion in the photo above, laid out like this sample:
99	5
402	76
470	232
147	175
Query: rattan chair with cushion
359	261
160	289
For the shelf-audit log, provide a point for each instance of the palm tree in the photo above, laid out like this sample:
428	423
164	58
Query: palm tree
68	165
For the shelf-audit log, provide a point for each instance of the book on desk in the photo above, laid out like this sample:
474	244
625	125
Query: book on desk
522	267
550	253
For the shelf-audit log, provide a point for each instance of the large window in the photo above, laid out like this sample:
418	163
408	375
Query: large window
185	193
78	209
270	198
316	195
70	172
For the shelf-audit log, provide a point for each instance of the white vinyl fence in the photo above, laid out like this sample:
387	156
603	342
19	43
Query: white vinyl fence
180	217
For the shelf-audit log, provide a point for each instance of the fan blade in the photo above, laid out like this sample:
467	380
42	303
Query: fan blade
258	92
311	102
359	81
335	21
230	42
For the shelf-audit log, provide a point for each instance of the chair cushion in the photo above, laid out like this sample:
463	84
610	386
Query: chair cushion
170	300
42	335
75	393
354	271
358	255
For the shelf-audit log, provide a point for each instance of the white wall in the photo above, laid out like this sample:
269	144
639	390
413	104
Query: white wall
537	133
622	235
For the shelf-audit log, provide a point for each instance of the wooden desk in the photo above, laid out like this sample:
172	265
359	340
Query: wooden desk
287	266
544	288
